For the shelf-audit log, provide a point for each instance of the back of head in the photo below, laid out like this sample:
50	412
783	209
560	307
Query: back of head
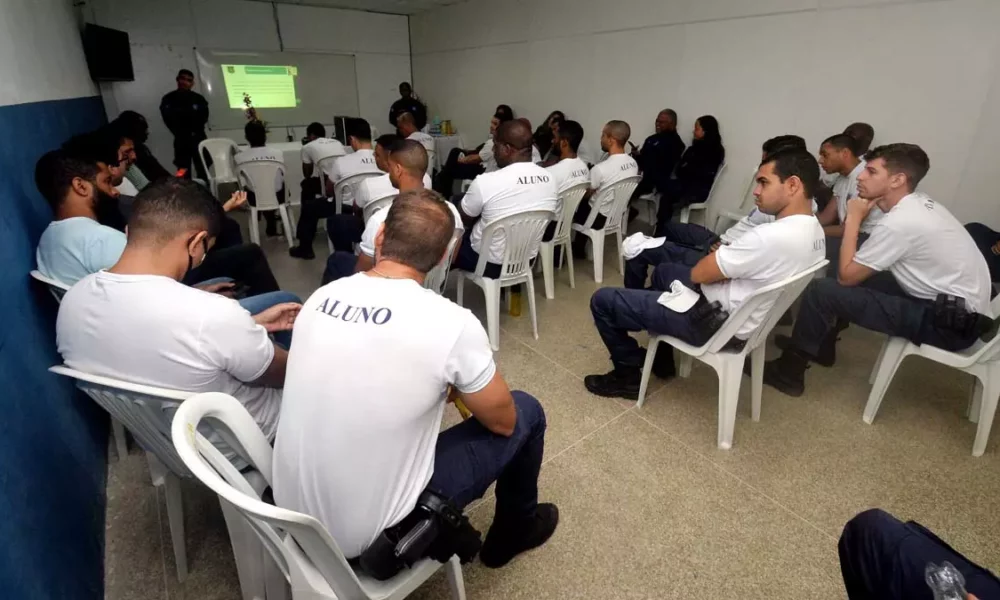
516	134
908	159
134	125
504	113
572	132
796	162
97	146
411	155
406	121
316	130
619	132
55	172
863	133
782	142
359	129
710	125
172	207
255	133
842	141
417	230
388	140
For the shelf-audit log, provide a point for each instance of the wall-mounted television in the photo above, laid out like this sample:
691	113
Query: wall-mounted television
109	56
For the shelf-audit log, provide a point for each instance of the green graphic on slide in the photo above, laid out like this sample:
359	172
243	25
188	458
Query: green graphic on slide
268	86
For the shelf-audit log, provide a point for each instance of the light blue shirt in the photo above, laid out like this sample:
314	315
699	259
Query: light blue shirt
71	249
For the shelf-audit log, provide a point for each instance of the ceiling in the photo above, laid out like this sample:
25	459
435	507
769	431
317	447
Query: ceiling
398	7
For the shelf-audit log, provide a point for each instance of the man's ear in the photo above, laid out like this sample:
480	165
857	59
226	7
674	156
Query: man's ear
897	180
82	187
198	242
379	239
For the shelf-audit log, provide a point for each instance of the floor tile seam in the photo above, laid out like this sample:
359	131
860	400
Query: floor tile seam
540	353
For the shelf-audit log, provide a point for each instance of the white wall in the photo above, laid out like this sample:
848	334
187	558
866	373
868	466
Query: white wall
33	71
164	35
921	71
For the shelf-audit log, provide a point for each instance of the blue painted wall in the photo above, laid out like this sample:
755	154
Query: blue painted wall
53	440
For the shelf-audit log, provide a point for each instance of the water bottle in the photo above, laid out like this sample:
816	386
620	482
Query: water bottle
946	582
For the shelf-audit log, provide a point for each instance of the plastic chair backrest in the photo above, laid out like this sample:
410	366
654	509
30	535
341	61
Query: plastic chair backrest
747	201
521	234
346	187
438	276
783	293
145	410
617	195
58	289
321	164
373	205
715	183
570	201
311	547
260	175
222	151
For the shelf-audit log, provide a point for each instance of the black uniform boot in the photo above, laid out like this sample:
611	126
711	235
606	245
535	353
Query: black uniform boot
787	374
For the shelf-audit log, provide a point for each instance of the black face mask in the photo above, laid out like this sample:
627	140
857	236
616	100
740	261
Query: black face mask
204	245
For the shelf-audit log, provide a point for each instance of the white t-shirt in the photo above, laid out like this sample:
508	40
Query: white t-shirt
262	153
611	170
929	253
378	217
361	161
569	172
427	141
376	188
755	218
71	249
767	254
845	188
516	188
366	386
321	148
155	331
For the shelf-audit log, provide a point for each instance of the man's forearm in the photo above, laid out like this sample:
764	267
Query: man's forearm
834	230
848	245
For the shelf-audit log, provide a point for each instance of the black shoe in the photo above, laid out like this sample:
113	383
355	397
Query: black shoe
619	383
303	252
271	230
786	374
827	351
663	364
580	252
504	542
987	327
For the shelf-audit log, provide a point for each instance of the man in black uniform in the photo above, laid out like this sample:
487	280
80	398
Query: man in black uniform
408	104
660	153
185	113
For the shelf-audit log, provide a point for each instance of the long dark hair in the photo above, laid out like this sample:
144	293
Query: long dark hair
504	113
710	125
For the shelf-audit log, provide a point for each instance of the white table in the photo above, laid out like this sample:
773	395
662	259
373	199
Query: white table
291	155
443	145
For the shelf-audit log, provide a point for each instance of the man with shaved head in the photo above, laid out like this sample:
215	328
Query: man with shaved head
407	125
617	166
519	186
660	153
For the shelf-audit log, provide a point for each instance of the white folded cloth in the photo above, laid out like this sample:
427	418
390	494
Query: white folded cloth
634	244
679	299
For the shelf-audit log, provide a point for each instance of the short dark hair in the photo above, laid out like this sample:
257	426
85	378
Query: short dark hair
55	172
411	154
796	162
909	159
572	132
781	142
316	129
97	146
670	113
620	131
166	208
388	140
358	128
418	228
863	133
842	141
504	113
133	124
255	133
183	72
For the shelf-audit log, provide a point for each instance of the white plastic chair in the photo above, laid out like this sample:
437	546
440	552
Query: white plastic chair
346	188
687	210
617	195
260	176
570	201
147	412
980	360
303	549
58	289
729	365
374	205
438	276
222	151
523	233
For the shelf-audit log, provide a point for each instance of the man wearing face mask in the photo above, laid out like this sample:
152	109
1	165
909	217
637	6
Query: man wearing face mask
136	321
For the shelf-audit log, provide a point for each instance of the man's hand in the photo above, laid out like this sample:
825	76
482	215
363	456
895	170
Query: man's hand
280	317
859	208
235	201
715	246
996	248
225	288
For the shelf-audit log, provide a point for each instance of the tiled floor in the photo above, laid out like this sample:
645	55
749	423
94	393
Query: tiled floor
649	507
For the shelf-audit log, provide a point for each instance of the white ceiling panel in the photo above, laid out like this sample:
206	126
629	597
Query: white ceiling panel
396	7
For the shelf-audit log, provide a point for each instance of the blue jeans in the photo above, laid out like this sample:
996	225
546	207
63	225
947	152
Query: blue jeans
470	457
636	269
340	264
617	311
344	230
882	557
468	259
691	235
261	302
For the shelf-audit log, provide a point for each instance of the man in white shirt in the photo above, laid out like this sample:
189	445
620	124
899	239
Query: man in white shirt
766	254
688	243
137	322
360	446
315	147
468	164
519	186
919	242
863	135
408	129
381	187
256	135
570	170
617	166
345	229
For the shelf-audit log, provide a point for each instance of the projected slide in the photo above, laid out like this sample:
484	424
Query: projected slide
268	86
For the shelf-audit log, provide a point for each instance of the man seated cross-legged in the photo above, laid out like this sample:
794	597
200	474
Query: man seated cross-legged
767	254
